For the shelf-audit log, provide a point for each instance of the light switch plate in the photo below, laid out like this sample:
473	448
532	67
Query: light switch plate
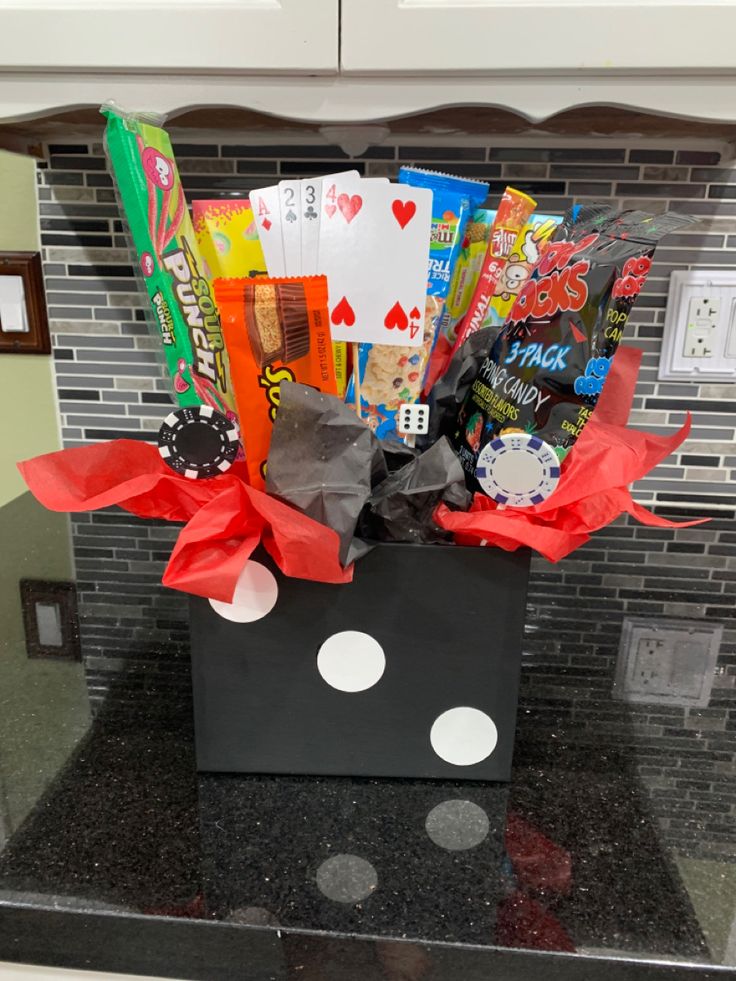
699	340
13	313
667	662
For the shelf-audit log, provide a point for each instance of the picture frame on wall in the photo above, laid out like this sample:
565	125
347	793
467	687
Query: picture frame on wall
24	326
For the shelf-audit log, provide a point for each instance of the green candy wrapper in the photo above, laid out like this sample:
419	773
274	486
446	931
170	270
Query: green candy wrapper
182	300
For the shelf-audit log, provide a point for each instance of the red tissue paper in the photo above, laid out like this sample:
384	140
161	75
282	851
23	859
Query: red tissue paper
593	488
226	518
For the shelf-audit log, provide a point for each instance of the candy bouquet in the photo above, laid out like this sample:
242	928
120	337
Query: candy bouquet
358	361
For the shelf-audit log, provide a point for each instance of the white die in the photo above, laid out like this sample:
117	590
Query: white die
413	418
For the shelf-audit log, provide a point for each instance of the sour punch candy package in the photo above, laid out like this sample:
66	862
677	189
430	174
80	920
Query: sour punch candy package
169	260
536	390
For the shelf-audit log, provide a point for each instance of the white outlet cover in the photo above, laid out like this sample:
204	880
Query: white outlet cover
667	662
687	335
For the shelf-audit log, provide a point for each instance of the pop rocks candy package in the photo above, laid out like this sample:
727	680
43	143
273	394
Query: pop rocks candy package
529	247
541	381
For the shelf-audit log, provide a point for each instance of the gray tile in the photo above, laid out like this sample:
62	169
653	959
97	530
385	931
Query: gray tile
593	189
698	157
714	175
651	156
92	407
665	173
447	153
514	171
694	240
116	357
646	189
119	422
593	172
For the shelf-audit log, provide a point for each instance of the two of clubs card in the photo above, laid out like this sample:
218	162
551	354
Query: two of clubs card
370	238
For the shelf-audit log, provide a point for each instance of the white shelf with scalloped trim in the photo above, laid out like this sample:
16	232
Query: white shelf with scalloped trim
393	58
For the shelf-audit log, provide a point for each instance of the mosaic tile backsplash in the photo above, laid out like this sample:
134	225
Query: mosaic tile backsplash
110	384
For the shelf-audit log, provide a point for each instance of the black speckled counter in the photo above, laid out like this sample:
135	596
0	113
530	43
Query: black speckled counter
116	855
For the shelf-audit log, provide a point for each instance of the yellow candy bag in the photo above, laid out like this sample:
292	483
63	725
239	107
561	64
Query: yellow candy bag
228	239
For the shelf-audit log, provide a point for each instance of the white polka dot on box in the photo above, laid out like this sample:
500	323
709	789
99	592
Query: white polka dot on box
411	670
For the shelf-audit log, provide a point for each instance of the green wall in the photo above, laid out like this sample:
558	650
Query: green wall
43	703
26	380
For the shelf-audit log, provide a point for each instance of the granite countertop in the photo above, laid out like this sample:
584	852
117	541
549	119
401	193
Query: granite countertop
116	855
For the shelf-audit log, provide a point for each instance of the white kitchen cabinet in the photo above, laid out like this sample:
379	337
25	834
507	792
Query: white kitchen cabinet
192	36
335	61
500	36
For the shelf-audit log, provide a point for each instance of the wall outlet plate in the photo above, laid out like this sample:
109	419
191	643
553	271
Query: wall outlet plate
667	662
699	340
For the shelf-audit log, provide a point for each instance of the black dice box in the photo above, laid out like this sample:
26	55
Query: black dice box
449	622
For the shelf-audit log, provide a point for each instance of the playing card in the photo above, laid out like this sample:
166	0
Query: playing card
265	204
373	248
311	199
291	224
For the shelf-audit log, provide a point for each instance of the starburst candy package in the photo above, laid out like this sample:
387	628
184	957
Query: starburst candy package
184	310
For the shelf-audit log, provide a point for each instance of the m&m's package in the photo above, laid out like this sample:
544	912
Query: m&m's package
183	306
462	287
276	330
228	238
538	386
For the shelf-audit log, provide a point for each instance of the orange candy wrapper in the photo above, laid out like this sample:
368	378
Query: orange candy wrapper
275	330
512	214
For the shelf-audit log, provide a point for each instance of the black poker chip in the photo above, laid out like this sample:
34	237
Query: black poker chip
198	442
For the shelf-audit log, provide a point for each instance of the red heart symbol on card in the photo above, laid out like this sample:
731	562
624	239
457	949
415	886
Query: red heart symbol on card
403	211
330	209
349	206
343	313
396	317
414	314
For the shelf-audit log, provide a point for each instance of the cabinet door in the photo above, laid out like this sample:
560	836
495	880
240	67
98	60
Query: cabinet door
193	36
545	35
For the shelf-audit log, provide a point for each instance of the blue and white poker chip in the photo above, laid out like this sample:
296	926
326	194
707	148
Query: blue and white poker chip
518	470
198	442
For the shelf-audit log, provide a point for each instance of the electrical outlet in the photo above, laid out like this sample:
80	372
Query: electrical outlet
667	661
699	340
702	323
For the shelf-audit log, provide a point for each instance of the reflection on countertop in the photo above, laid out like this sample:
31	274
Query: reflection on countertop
605	842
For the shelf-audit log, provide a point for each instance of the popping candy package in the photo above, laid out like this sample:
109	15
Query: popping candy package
184	310
546	370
